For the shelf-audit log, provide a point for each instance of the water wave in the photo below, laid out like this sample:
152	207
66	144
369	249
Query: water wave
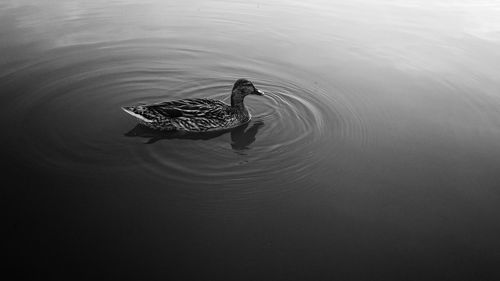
72	99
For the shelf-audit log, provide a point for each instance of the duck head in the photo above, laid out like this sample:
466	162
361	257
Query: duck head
241	89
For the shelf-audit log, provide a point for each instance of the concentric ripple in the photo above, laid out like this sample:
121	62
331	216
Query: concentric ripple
72	119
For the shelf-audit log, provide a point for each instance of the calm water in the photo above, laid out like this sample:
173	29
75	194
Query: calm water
375	154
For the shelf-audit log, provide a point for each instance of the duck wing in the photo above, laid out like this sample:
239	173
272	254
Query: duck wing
190	108
187	114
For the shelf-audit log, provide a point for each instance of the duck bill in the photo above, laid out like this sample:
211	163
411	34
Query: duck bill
258	92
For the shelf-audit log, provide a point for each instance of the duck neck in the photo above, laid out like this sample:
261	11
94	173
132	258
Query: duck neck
237	101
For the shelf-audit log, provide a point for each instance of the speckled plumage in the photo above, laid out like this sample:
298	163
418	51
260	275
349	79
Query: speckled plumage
197	115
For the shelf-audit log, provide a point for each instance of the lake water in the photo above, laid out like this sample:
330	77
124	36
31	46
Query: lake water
374	155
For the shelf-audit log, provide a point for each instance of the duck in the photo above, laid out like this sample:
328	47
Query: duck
197	114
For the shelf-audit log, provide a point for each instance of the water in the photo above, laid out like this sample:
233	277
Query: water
374	154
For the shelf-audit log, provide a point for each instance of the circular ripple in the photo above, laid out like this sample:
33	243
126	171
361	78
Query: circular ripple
72	121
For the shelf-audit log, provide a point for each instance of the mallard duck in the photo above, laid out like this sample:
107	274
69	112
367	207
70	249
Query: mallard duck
199	114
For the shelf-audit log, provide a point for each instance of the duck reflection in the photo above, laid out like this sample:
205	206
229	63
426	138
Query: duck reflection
241	137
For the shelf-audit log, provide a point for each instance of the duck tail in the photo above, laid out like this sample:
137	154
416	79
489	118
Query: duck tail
139	112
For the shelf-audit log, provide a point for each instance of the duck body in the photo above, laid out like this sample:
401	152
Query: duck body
198	114
192	115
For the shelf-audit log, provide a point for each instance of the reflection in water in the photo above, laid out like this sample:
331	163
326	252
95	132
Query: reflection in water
241	137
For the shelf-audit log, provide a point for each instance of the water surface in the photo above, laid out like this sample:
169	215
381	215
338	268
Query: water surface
374	154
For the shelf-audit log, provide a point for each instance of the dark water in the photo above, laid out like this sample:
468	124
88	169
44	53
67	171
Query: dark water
375	154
